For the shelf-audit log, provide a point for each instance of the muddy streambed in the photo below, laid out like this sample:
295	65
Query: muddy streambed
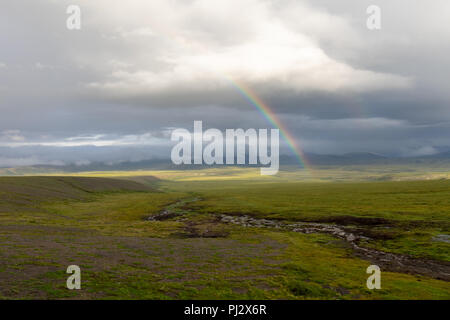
385	260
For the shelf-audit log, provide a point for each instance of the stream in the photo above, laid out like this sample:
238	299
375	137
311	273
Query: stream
387	261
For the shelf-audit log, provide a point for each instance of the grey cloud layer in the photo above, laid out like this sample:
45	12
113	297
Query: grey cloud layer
144	66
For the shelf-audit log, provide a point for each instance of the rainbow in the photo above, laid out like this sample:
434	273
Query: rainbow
262	107
267	113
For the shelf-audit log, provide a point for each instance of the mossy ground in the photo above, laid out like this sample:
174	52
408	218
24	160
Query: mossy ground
124	256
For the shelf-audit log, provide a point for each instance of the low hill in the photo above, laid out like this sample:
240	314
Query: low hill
25	193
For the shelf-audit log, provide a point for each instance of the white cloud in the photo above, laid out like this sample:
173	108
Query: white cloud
201	45
12	139
11	136
40	66
363	124
420	151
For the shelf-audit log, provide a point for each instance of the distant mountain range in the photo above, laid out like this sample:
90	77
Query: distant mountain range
344	159
368	158
440	159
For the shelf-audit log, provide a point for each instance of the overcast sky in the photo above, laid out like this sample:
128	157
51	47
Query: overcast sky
113	90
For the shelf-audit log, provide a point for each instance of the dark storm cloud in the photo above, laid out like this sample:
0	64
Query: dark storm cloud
136	70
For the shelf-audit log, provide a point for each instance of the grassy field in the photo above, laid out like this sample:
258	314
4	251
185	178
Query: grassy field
99	221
